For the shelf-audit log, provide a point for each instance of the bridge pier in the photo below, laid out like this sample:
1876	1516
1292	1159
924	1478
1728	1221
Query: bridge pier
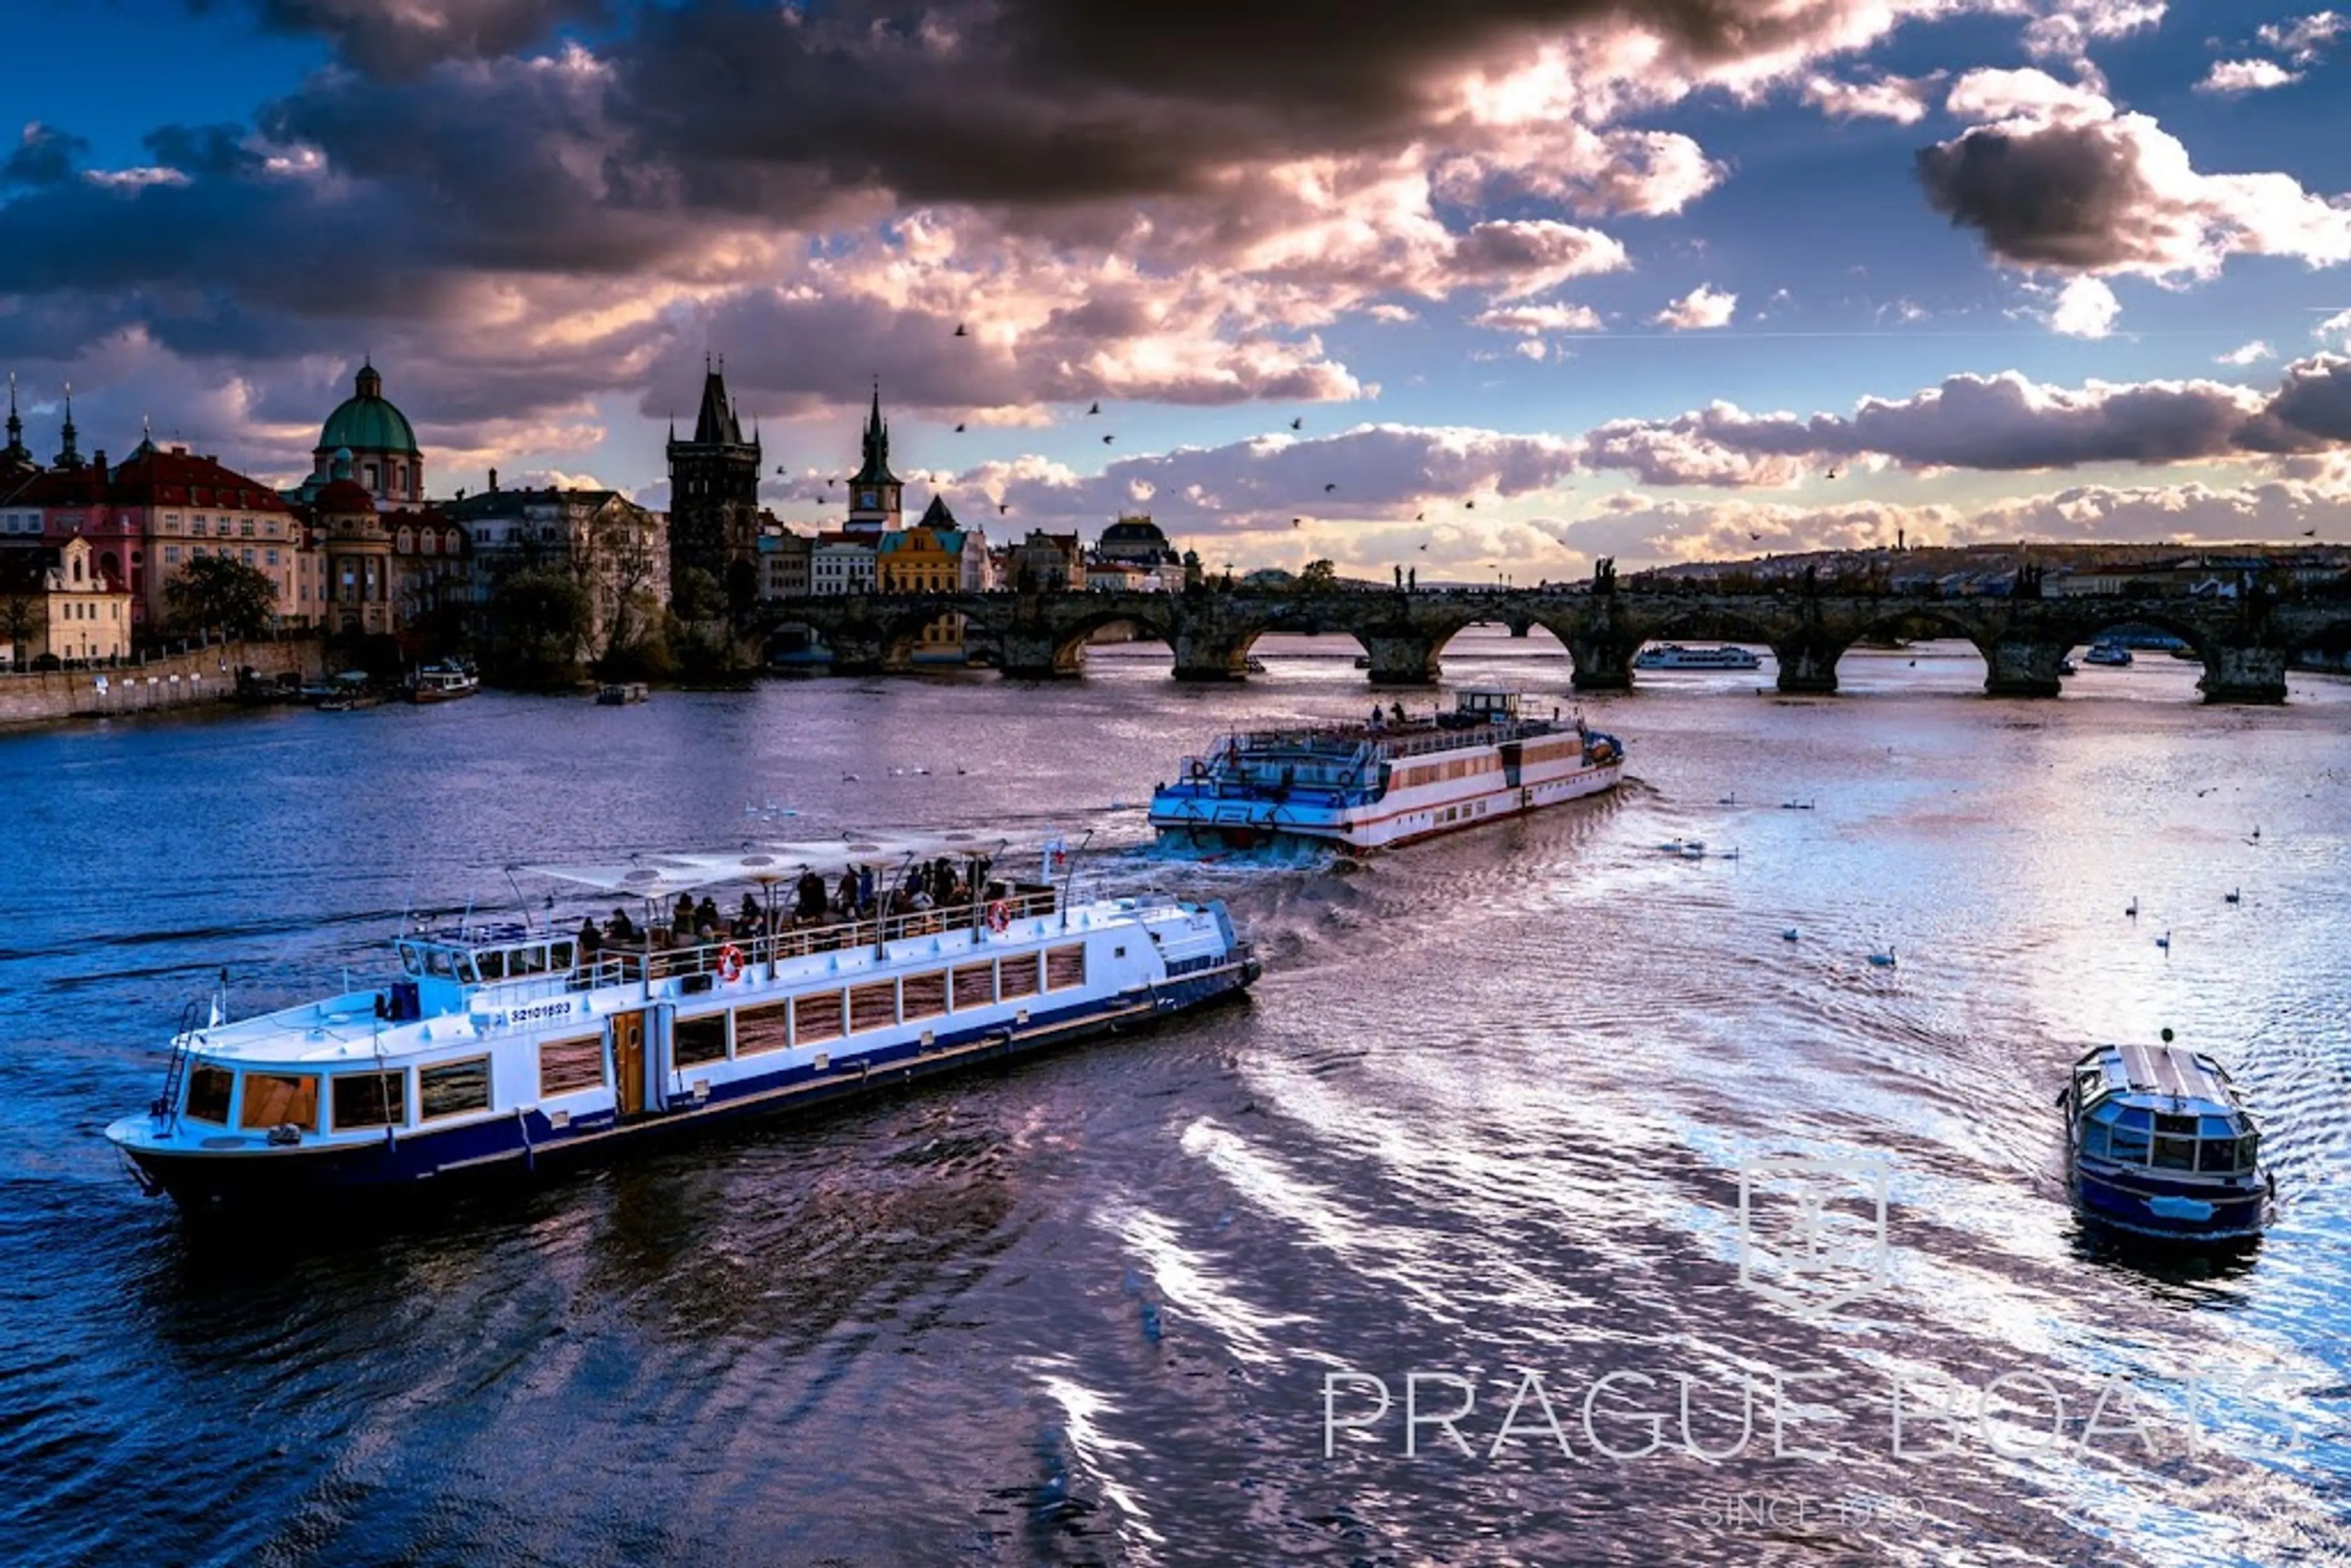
854	654
1602	659
2241	674
1402	661
1203	656
2023	668
1025	656
1807	668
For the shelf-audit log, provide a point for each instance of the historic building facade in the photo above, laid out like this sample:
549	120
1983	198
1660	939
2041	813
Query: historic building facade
385	460
620	552
876	495
714	497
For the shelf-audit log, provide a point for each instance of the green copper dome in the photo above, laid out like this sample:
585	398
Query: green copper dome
366	422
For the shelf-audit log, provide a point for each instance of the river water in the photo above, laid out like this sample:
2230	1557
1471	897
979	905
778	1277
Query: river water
1485	1118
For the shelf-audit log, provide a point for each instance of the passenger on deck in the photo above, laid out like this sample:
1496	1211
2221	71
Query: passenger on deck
590	940
865	887
682	919
747	919
1378	723
1397	710
810	900
848	895
705	920
621	929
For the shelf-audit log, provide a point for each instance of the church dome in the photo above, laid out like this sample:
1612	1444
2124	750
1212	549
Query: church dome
366	422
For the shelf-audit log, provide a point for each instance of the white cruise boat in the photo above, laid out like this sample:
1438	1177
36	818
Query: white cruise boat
442	684
1371	786
1674	656
499	1047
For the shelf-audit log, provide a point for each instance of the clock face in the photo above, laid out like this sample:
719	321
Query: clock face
865	498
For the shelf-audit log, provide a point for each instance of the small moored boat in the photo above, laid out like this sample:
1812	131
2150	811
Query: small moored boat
621	694
2112	654
442	683
499	1047
2160	1144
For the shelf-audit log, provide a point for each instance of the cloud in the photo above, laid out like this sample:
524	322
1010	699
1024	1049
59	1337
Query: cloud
44	155
401	40
2251	353
2304	38
2065	31
1534	319
1998	423
2229	77
2337	326
2085	307
1902	99
1702	308
2061	181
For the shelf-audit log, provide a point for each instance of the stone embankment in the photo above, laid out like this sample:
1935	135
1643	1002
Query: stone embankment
193	679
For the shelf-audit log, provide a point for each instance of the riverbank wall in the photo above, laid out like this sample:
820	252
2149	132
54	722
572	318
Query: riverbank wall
169	683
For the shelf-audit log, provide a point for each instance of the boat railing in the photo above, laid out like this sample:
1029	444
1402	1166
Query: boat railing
648	960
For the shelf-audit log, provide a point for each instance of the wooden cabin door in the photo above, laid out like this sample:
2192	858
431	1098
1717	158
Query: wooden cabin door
629	1062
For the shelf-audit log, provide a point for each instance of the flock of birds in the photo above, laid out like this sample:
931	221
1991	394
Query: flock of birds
1093	409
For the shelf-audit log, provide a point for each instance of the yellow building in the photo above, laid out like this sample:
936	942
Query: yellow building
61	602
926	558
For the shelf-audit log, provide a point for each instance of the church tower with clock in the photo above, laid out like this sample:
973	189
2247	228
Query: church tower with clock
874	491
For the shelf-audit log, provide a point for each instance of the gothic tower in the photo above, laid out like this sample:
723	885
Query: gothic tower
714	494
874	492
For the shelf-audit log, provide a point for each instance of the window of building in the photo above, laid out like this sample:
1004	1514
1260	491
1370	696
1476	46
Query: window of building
273	557
248	558
368	1099
274	1099
693	1041
454	1088
245	528
171	555
568	1066
208	1091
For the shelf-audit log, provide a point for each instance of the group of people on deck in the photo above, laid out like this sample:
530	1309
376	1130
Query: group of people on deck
931	884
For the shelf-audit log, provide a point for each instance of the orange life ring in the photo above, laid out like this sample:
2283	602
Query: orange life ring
999	916
730	962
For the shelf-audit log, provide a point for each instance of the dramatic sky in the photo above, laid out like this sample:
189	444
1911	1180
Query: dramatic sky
1521	281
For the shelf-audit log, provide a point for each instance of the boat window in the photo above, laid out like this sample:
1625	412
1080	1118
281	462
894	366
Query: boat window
2175	1153
1015	978
758	1029
2216	1153
527	961
693	1041
436	963
924	996
368	1099
1065	966
559	956
975	985
568	1066
2107	1114
208	1090
493	964
2093	1142
2128	1145
2215	1128
453	1088
874	1005
2175	1126
816	1016
2136	1116
410	964
274	1099
2249	1151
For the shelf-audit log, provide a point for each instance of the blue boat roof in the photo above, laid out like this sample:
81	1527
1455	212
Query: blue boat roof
2171	1073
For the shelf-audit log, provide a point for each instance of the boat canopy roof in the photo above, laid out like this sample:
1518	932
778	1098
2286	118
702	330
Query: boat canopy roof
2153	1073
663	875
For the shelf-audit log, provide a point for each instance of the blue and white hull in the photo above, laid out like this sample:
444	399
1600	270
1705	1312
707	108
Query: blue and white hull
432	1080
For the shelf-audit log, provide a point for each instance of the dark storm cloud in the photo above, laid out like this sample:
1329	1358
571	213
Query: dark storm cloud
44	155
2315	397
2059	196
396	41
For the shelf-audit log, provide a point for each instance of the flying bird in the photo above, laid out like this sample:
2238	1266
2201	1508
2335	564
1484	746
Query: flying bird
1297	522
1328	488
1420	516
961	331
1471	505
1108	439
1096	409
2310	533
1749	535
1298	424
1002	508
958	430
1423	546
1833	473
828	480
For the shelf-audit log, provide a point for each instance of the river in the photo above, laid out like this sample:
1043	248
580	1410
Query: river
1484	1119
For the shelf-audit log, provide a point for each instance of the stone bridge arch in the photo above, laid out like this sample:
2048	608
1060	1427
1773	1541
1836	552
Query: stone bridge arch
1057	647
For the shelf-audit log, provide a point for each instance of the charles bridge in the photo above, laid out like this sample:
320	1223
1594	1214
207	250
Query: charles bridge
2245	643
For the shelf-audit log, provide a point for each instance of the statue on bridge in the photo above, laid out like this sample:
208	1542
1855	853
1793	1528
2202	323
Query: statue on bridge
1604	575
2028	582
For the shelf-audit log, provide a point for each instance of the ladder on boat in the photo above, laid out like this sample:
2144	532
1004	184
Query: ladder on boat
167	1105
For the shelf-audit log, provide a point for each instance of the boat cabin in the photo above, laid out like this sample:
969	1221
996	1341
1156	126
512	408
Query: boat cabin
2164	1108
1484	706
